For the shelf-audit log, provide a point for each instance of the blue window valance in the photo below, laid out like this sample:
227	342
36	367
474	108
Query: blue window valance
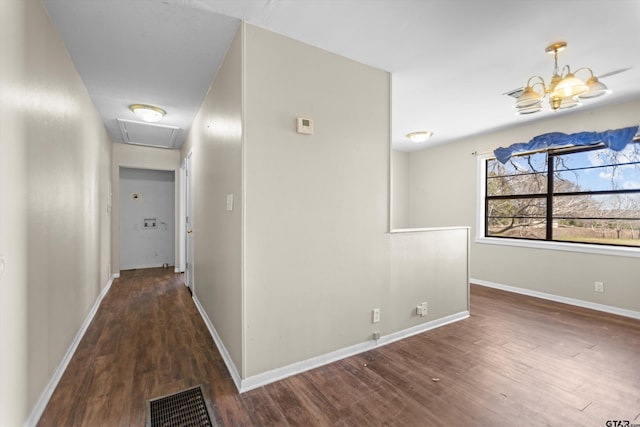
614	139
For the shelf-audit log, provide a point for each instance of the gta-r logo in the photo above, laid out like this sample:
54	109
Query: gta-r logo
618	423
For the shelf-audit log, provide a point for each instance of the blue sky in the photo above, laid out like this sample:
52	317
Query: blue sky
624	176
598	176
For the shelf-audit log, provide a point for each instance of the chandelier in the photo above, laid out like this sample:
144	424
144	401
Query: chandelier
563	91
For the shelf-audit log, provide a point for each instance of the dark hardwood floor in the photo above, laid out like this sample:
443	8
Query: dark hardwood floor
517	361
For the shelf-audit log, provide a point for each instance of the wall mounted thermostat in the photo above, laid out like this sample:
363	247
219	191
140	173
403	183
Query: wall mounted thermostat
305	126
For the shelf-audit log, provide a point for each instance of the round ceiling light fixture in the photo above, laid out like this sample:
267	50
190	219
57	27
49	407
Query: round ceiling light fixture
148	113
420	136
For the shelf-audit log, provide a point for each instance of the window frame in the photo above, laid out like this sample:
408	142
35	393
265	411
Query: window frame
482	220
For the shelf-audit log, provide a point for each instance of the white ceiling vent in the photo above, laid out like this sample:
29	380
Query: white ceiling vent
153	135
515	92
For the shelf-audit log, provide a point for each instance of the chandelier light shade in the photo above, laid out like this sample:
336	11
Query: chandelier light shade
564	90
530	110
595	88
148	113
566	103
569	87
529	98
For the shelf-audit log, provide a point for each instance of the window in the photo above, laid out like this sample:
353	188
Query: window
578	194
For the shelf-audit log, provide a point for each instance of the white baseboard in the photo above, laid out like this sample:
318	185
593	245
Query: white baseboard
235	375
259	380
418	329
551	297
43	400
143	266
277	374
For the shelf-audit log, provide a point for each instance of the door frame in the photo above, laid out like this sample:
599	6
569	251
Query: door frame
188	223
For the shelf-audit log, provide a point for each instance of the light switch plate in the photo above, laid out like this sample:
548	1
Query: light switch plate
229	202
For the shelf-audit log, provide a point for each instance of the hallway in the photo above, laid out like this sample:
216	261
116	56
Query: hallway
147	340
516	361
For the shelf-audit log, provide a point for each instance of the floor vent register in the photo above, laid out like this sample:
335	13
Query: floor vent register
186	408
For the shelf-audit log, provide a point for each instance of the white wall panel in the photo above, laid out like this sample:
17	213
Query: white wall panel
147	218
399	189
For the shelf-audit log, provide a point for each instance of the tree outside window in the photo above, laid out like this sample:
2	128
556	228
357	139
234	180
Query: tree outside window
577	194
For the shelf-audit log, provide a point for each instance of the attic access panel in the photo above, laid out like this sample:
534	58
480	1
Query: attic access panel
150	134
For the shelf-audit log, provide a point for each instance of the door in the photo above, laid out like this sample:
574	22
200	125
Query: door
189	280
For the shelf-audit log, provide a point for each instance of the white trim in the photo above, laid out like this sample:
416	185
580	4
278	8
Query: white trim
142	266
423	327
480	193
235	375
46	394
182	226
390	170
565	300
243	195
561	246
277	374
259	380
420	230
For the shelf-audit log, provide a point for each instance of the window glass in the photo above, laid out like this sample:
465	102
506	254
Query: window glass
598	170
595	196
521	175
517	218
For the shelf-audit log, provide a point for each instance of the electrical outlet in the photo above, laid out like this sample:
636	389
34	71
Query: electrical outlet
421	309
376	335
599	287
375	314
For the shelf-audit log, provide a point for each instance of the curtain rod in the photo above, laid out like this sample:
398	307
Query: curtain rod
482	153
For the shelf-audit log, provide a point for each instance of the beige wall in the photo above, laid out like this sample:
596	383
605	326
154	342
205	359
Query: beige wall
316	205
443	192
216	147
141	157
293	272
54	219
399	189
428	266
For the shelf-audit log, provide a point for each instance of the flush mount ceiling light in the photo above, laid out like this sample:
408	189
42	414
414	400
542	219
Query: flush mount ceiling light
564	90
148	113
420	136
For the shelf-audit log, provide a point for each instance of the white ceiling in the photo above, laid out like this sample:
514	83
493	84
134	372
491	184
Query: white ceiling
451	60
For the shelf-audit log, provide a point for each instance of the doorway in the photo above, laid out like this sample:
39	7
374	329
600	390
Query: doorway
147	218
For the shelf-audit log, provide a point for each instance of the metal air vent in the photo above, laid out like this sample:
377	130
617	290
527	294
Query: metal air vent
186	408
515	92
